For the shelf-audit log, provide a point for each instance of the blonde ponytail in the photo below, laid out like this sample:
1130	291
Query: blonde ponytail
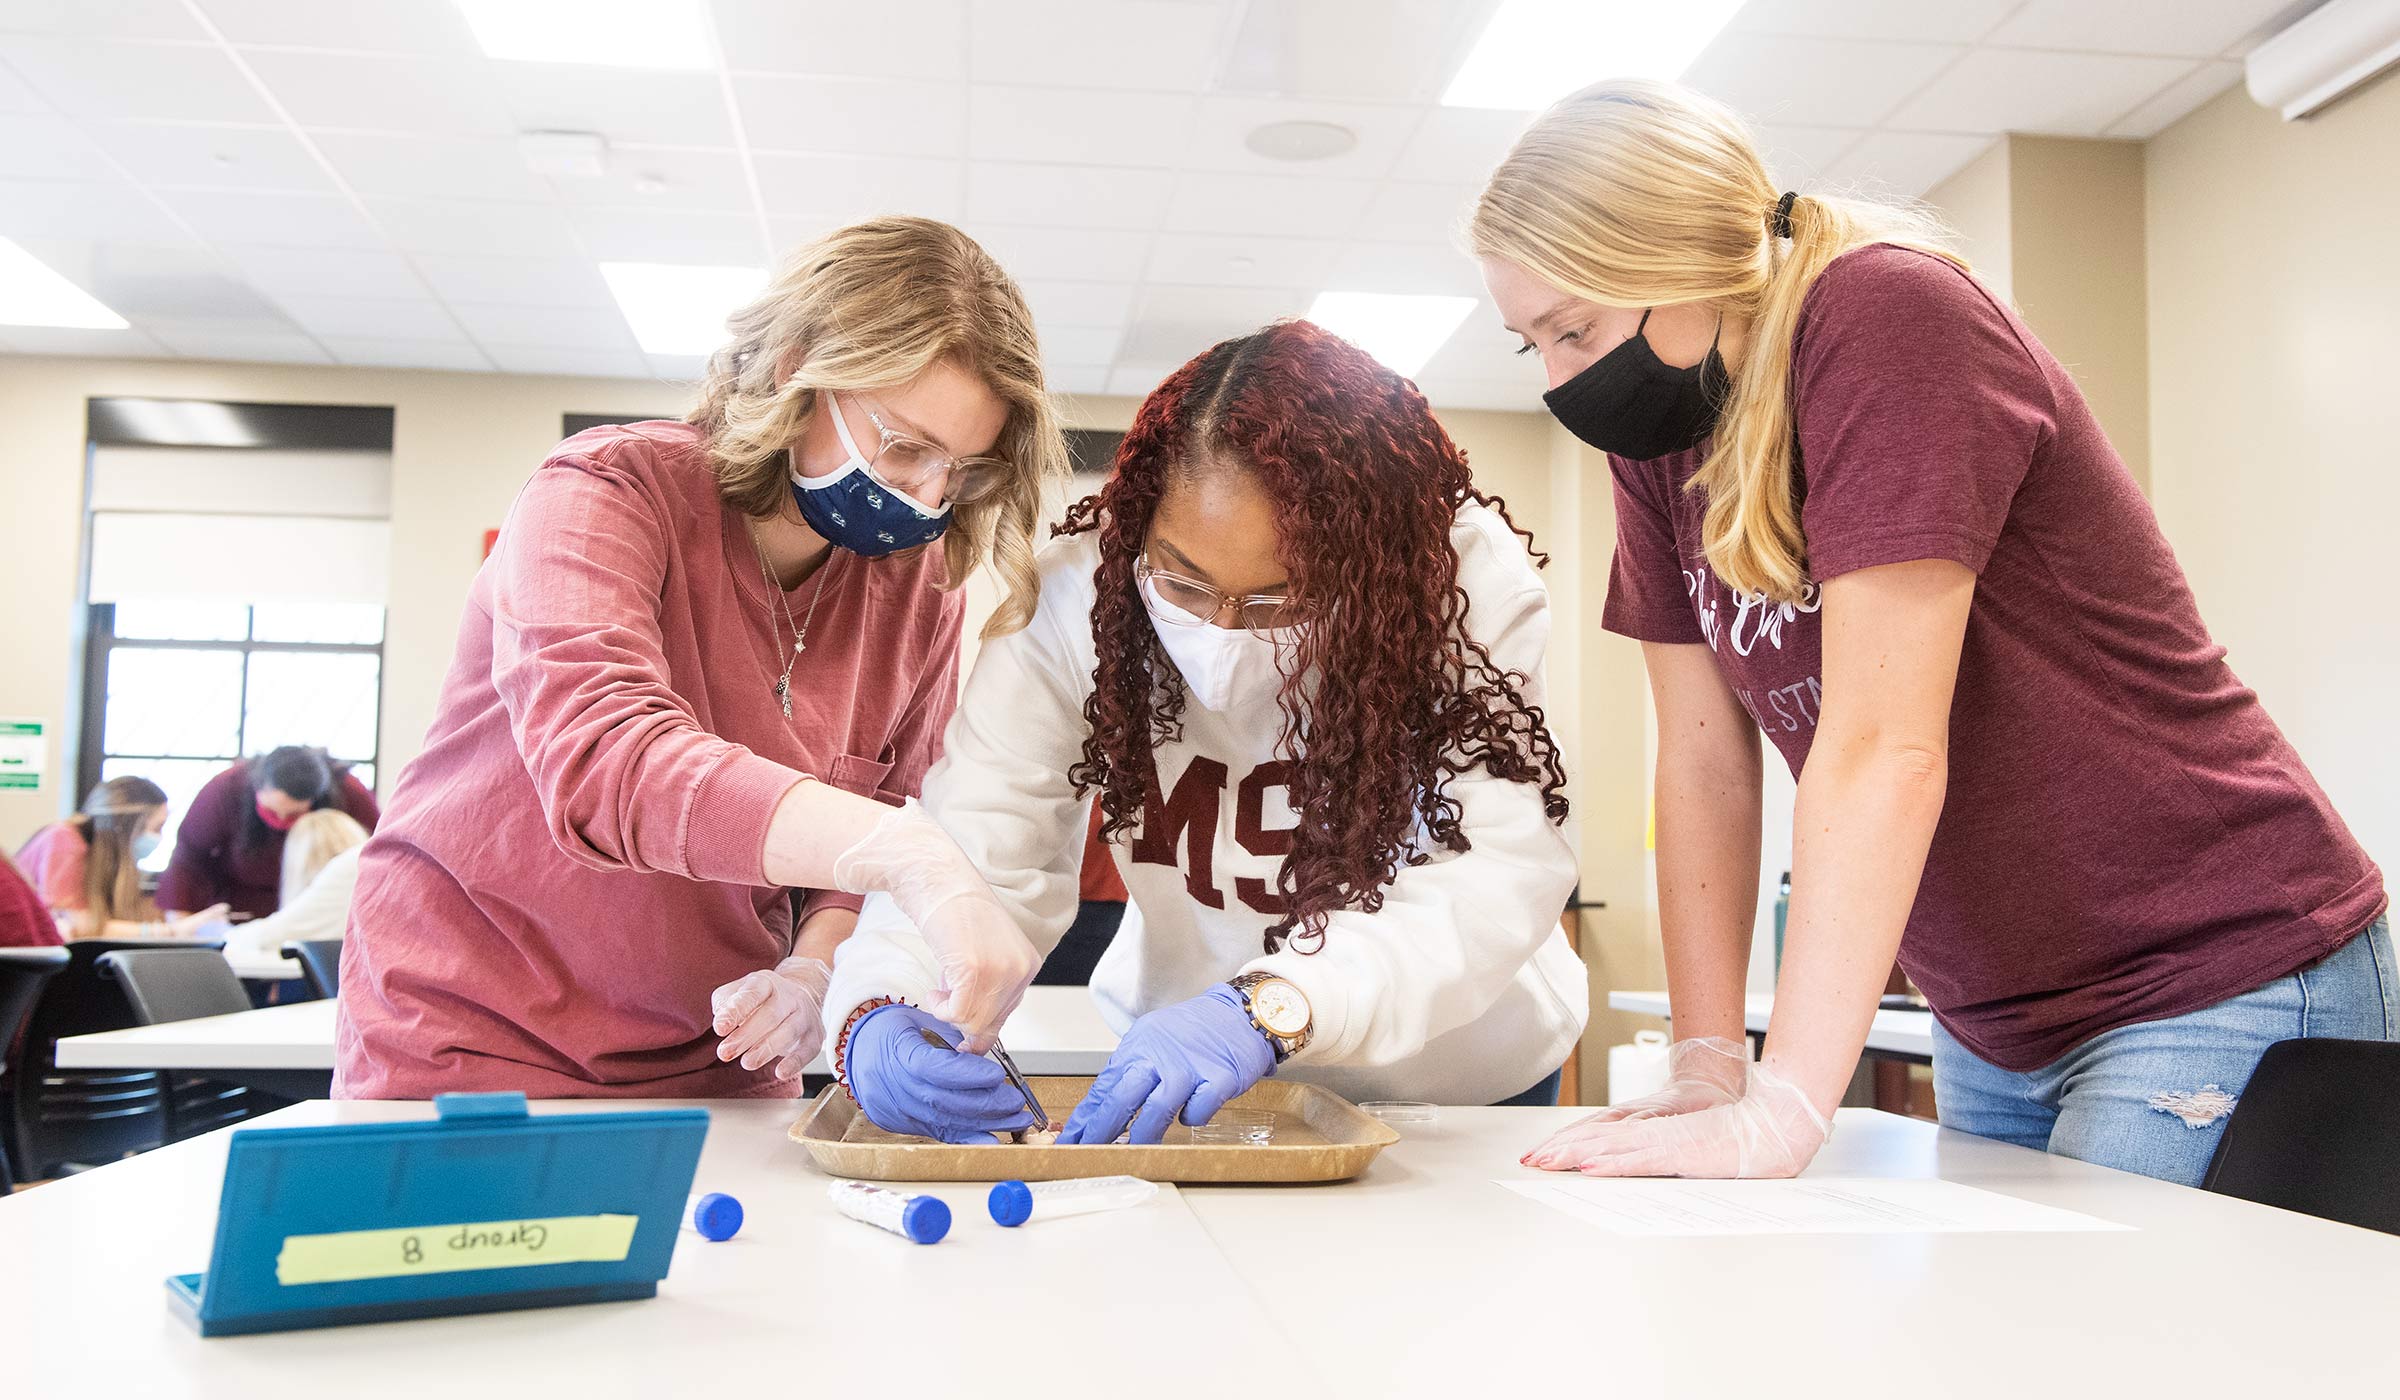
1639	193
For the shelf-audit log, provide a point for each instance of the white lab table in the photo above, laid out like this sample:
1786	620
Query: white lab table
1056	1031
1420	1278
1896	1035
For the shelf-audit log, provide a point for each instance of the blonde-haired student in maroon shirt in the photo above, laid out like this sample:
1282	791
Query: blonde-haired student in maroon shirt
704	664
1860	508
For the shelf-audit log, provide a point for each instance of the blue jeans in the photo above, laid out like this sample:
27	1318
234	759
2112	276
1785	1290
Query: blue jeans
2149	1097
1542	1095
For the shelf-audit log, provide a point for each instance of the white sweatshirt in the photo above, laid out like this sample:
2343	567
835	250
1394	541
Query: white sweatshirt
1461	989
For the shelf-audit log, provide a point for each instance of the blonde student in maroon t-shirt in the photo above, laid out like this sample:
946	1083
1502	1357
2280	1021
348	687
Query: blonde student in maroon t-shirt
1860	508
697	677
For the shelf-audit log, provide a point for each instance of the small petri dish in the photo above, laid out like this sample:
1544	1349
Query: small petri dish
1402	1113
1236	1127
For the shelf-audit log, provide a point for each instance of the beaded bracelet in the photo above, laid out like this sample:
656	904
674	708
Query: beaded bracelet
841	1042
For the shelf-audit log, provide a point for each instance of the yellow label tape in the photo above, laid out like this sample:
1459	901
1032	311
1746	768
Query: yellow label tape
443	1249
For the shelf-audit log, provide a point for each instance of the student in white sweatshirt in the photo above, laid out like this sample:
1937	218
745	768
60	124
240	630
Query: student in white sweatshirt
1296	657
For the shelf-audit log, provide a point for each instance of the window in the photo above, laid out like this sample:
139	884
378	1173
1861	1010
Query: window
177	690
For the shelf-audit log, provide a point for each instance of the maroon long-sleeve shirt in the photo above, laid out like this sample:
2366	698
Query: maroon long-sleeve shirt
575	860
212	863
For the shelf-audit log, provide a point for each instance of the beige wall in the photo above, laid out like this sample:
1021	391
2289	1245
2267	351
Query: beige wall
1975	202
2274	297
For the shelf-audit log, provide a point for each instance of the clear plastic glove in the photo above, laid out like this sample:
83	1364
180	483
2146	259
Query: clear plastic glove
775	1016
1771	1130
985	962
1183	1060
1703	1072
905	1083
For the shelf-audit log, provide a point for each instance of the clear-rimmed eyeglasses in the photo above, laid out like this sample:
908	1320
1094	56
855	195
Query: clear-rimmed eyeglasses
1198	604
906	463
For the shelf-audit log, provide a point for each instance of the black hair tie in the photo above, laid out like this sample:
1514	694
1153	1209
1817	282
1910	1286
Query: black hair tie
1780	223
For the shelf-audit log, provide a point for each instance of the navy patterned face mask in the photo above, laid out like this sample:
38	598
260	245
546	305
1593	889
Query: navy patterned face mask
854	510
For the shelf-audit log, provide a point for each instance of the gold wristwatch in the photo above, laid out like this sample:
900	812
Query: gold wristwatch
1278	1009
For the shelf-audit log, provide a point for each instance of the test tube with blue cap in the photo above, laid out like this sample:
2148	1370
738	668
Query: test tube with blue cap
1013	1203
924	1219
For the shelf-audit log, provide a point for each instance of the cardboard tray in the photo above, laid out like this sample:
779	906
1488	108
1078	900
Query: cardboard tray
1319	1136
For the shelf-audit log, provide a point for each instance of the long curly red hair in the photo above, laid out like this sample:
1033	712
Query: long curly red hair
1398	696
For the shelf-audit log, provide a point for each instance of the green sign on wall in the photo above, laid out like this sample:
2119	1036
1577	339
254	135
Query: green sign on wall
21	755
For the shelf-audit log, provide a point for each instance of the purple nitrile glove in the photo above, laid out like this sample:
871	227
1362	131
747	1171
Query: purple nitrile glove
1183	1060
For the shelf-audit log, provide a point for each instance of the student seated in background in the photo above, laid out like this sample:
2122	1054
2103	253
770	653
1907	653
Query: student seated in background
320	869
87	869
1294	654
230	846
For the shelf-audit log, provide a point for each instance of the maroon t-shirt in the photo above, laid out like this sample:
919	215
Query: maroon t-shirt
212	864
2127	836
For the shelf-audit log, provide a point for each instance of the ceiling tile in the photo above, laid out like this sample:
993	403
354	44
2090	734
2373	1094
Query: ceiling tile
1143	45
221	345
431	167
360	317
333	272
1950	21
252	216
39	146
386	26
1407	211
141	282
380	92
1081	196
1197	259
2062	94
842	189
116	19
625	105
680	369
15	96
668	235
1349	50
1459	145
1079	303
662	177
407	354
1080	128
1080	345
852	116
1076	379
924	39
1136	381
1210	202
1405	269
1904	164
451	226
161	82
63	209
1796	156
1173	323
624	363
58	340
1815	82
2179	99
2178	28
1225	122
588	326
216	157
457	277
1482	349
1069	254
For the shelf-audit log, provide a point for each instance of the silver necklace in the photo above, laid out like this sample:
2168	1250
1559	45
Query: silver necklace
783	683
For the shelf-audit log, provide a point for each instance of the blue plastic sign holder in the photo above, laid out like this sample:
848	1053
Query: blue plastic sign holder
481	1209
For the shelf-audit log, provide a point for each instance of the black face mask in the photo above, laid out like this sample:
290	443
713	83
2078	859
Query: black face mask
1631	403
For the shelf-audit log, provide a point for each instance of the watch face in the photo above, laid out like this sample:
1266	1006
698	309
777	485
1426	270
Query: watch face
1279	1007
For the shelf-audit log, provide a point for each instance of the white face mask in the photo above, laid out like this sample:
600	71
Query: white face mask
1222	667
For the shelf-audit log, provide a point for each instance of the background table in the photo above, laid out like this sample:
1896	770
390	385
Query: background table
251	966
1896	1035
1420	1278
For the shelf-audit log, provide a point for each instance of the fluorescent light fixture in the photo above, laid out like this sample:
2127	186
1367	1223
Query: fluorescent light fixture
680	310
612	33
1401	331
1535	52
32	293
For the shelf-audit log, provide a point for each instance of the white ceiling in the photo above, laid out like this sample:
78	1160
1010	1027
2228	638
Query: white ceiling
317	182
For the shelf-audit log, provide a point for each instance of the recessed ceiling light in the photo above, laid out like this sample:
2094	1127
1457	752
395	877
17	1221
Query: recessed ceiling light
34	294
677	309
1301	140
1535	52
613	33
1401	331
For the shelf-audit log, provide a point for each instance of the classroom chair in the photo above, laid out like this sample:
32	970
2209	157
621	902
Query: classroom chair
182	984
23	974
67	1119
2318	1131
320	961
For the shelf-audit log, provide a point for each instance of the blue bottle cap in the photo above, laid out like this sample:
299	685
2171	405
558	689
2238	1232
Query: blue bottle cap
1011	1203
926	1219
717	1216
